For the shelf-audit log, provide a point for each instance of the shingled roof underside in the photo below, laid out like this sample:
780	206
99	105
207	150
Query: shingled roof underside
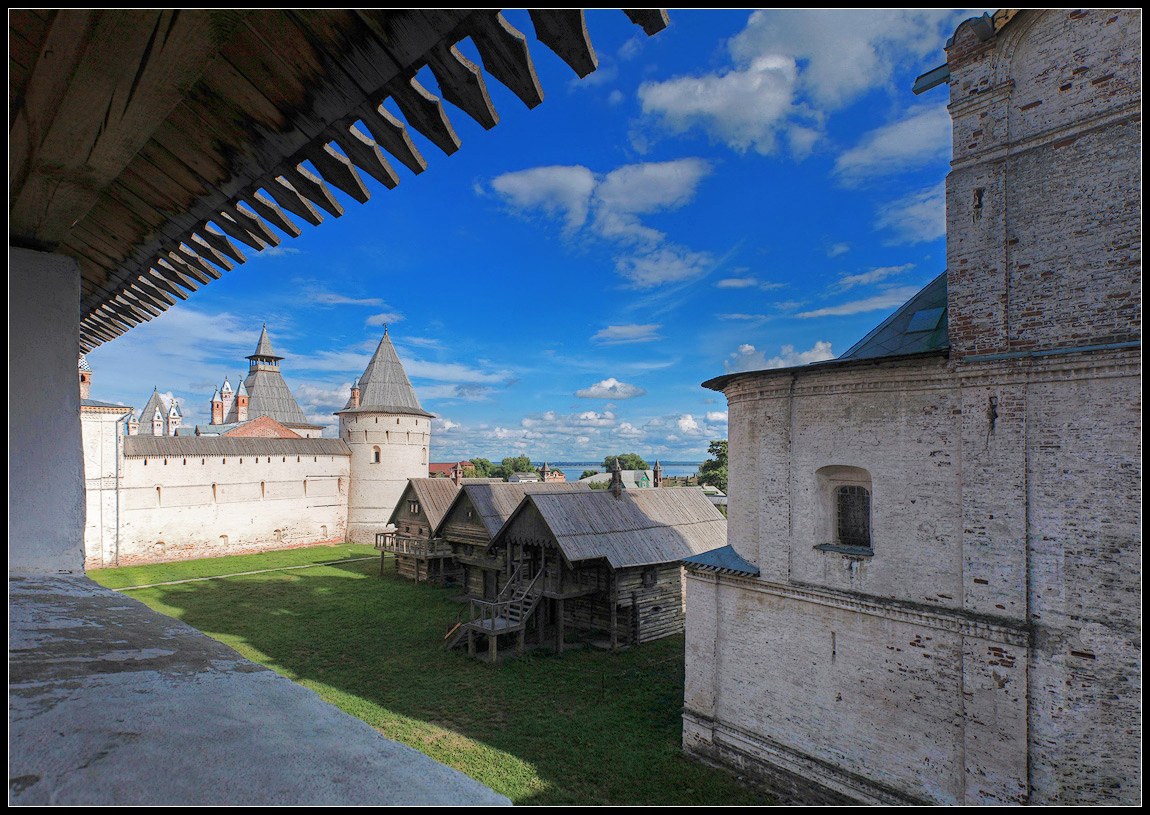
639	528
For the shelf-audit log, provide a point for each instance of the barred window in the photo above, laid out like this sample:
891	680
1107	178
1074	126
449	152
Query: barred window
852	516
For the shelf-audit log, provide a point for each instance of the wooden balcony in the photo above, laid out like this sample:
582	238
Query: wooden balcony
394	543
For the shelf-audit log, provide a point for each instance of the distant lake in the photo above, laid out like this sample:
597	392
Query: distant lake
572	469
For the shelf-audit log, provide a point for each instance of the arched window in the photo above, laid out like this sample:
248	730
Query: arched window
159	496
423	456
215	493
263	490
376	453
223	540
845	510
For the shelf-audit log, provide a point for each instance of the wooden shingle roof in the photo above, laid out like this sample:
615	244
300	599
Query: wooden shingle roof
495	502
638	528
434	495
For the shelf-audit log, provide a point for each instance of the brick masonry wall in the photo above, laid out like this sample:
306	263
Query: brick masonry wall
1044	199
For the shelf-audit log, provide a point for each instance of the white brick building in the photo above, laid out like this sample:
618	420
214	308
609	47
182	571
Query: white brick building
932	587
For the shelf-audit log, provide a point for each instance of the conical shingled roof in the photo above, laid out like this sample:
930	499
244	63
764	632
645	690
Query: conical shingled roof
384	386
264	347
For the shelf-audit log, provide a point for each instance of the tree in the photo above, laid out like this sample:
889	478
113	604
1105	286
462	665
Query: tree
627	461
588	474
483	467
509	465
714	470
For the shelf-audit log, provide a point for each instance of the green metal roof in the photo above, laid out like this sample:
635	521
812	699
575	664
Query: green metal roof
919	326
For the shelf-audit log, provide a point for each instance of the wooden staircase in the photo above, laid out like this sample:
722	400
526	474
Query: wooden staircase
509	613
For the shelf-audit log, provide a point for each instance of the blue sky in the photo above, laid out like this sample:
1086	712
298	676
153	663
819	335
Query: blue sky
741	191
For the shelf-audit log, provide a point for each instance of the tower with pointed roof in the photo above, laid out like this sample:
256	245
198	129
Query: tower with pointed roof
262	393
389	434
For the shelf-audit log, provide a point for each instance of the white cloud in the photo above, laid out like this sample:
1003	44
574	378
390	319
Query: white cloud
748	358
558	191
886	300
736	283
330	298
623	334
668	264
838	249
922	136
615	97
790	69
918	217
441	424
717	416
845	52
740	316
610	388
385	318
614	204
873	276
687	424
743	108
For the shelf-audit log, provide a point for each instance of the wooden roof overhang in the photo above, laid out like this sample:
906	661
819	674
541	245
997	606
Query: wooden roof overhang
156	147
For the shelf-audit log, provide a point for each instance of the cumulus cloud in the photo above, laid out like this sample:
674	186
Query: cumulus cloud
624	334
917	218
748	358
888	299
610	388
385	318
611	206
873	276
790	69
563	191
687	424
716	416
920	137
670	263
742	107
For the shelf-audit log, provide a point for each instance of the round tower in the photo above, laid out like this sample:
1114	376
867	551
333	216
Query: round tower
389	434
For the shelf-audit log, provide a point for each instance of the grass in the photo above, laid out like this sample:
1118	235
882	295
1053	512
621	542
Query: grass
589	727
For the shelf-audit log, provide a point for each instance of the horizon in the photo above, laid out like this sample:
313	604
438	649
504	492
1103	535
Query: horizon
742	191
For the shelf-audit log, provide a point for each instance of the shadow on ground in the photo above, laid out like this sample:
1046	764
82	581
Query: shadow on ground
588	727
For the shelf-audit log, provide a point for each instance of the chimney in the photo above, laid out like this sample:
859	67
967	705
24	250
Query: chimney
355	392
616	479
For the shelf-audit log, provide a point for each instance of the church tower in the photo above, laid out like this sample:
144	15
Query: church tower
389	434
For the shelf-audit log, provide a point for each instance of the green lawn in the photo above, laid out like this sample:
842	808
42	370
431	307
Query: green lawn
586	728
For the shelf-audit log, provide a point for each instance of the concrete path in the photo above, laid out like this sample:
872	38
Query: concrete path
111	703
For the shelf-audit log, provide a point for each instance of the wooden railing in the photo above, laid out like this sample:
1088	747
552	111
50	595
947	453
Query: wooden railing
513	611
417	547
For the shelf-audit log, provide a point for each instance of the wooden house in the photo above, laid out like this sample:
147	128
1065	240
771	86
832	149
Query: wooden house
601	563
410	534
478	511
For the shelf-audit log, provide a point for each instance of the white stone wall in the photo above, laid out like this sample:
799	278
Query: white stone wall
177	508
404	444
102	457
45	465
988	650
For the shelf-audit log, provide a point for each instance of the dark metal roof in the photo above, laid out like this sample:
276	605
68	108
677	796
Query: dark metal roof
176	446
724	560
384	386
93	403
919	326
